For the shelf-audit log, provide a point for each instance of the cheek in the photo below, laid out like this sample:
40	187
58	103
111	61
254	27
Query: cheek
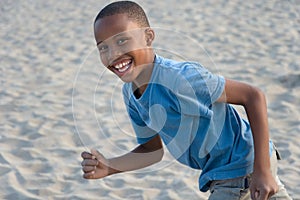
104	59
140	55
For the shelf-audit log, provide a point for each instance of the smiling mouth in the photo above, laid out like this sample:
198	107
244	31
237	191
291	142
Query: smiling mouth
122	66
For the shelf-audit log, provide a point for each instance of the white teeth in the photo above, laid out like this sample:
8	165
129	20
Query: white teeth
118	66
121	67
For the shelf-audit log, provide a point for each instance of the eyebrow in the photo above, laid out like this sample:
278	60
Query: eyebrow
99	43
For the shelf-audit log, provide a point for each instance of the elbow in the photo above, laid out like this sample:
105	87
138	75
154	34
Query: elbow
255	96
156	155
155	148
260	95
160	154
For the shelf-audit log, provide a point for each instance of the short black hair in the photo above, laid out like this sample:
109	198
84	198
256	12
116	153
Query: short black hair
133	11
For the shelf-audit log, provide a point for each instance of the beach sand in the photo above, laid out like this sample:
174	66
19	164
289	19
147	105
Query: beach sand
57	100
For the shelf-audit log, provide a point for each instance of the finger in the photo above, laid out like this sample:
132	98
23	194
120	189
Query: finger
254	194
89	175
275	190
89	162
98	155
272	193
85	155
87	169
262	195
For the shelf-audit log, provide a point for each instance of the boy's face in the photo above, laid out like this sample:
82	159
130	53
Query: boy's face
123	46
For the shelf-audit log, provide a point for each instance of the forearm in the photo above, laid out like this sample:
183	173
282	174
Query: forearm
136	159
256	110
142	156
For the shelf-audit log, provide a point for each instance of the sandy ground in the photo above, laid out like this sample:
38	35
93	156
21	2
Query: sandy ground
57	100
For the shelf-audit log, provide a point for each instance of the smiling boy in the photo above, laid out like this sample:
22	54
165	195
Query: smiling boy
186	107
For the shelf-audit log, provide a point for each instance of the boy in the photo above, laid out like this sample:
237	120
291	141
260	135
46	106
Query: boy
189	109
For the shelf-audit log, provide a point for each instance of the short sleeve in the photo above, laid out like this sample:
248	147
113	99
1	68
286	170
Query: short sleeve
197	89
142	131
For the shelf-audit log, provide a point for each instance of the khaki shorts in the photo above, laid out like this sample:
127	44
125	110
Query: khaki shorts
238	188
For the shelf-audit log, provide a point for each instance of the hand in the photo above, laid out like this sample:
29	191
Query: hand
94	165
263	186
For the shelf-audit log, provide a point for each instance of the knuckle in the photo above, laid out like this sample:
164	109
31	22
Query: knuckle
84	154
91	176
84	169
87	175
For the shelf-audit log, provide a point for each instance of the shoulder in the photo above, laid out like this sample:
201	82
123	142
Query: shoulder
181	74
170	63
191	78
179	69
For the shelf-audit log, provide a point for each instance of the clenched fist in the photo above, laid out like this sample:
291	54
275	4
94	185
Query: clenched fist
94	165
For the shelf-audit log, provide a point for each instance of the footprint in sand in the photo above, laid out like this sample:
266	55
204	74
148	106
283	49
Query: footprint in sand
290	80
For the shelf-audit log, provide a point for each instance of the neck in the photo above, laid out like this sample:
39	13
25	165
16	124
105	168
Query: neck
141	83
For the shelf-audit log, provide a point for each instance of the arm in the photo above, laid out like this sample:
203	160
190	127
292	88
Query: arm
95	166
254	102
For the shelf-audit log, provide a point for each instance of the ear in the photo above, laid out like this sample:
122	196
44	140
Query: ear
150	35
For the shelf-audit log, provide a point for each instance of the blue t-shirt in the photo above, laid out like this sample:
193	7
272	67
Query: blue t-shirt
180	105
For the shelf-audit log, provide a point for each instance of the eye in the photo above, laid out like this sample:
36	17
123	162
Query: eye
102	48
122	41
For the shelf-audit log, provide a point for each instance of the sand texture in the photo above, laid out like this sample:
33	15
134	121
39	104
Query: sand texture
57	100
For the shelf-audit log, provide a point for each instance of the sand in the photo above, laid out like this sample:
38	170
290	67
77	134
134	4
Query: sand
57	100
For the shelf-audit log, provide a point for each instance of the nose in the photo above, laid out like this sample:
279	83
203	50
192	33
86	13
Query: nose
114	52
